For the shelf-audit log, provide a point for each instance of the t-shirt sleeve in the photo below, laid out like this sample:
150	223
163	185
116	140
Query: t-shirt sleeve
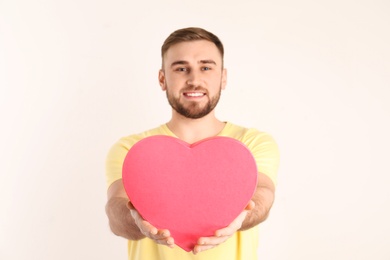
115	159
265	151
118	152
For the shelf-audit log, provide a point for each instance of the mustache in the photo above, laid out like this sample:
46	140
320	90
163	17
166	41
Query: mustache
188	89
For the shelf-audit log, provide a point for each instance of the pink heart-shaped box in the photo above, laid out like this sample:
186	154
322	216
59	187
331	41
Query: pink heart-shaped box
191	190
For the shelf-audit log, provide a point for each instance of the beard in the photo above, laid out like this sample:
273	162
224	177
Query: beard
194	110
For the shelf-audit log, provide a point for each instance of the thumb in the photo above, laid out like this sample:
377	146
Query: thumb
130	205
250	206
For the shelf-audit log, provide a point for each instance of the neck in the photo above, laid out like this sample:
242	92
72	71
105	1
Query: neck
193	130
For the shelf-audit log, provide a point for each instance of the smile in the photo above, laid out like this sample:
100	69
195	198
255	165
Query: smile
194	94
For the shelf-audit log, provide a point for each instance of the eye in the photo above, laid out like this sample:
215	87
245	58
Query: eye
181	69
206	68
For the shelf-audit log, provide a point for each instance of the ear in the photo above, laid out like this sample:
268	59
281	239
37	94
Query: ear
161	80
224	79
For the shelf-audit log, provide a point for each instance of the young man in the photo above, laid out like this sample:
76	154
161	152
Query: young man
193	76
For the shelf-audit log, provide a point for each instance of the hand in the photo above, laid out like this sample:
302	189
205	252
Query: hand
160	236
221	235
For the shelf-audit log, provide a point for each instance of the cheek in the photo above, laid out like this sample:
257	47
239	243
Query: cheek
174	81
216	81
170	78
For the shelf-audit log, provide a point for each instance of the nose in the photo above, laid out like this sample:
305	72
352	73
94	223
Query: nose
195	79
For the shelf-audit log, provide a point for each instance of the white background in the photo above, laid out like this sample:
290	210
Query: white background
77	75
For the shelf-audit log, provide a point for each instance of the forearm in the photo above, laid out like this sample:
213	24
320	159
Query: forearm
120	220
263	199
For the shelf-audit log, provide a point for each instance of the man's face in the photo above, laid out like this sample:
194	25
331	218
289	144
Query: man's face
193	77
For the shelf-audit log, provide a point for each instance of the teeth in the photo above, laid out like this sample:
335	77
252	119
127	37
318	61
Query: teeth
194	94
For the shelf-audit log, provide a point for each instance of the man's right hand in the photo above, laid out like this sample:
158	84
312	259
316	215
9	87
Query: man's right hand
160	236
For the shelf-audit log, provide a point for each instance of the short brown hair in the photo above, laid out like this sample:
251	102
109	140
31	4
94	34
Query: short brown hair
191	34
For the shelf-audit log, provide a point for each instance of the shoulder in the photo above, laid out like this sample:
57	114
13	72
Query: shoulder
127	142
262	146
248	136
119	150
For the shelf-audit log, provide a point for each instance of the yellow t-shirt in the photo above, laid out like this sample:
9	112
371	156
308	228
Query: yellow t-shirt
241	246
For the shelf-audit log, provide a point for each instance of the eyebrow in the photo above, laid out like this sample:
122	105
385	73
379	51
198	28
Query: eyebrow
208	62
183	62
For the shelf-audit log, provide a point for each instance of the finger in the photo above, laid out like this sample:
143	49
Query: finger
163	237
233	227
226	232
211	241
144	226
162	234
148	228
135	214
197	249
169	241
139	220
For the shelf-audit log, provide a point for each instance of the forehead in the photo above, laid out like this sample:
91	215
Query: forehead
193	51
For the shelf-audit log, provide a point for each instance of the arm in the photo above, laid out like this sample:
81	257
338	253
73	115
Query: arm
263	198
125	221
256	212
